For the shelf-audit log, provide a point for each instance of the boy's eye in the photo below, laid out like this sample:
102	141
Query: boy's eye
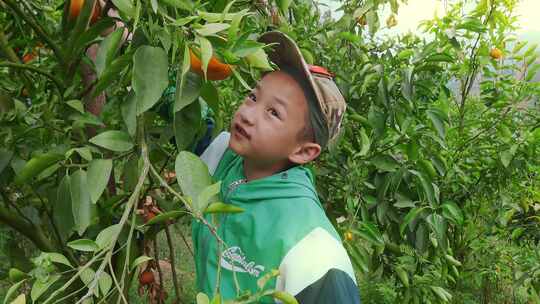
274	112
252	96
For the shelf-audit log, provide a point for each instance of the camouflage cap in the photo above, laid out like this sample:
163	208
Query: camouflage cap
327	111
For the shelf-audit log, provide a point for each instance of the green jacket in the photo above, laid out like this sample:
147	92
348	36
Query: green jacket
283	227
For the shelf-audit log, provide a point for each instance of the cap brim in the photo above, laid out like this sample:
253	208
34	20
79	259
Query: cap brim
285	52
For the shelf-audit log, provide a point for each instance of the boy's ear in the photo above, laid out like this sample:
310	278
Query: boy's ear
305	153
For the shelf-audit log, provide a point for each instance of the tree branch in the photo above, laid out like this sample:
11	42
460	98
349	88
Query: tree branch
56	81
173	267
34	233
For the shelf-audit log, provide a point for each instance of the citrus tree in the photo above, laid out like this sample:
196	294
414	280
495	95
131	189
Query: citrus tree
101	104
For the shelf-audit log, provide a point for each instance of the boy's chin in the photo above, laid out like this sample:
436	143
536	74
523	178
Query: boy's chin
236	148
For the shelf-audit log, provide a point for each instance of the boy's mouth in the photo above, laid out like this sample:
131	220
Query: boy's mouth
241	131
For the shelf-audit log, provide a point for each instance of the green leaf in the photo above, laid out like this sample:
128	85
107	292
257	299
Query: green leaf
284	5
411	215
472	24
166	216
186	5
192	174
15	275
259	60
186	125
219	17
451	211
139	261
202	298
125	6
452	260
407	86
235	24
76	105
5	158
506	157
80	120
149	78
189	91
403	276
370	233
385	163
244	47
21	299
517	233
427	187
438	226
377	120
427	168
99	172
84	152
112	72
57	258
220	207
104	282
206	53
62	212
105	236
107	50
87	276
365	142
129	113
40	286
372	19
212	28
113	140
283	297
441	293
437	118
209	94
36	165
12	290
207	195
80	200
84	245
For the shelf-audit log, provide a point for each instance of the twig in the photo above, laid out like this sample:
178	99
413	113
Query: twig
469	81
73	278
126	261
117	285
69	254
173	267
186	242
186	204
130	204
156	258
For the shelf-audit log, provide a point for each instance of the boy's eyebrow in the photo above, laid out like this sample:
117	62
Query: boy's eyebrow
281	102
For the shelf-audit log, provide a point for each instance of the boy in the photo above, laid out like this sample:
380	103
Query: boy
284	123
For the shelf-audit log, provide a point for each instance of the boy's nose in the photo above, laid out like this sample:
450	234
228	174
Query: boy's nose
247	115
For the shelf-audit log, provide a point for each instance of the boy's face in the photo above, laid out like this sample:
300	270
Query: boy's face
267	125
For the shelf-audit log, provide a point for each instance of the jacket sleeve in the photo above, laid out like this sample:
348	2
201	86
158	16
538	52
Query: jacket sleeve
334	287
318	270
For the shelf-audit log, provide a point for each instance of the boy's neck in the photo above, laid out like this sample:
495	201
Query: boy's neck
254	170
